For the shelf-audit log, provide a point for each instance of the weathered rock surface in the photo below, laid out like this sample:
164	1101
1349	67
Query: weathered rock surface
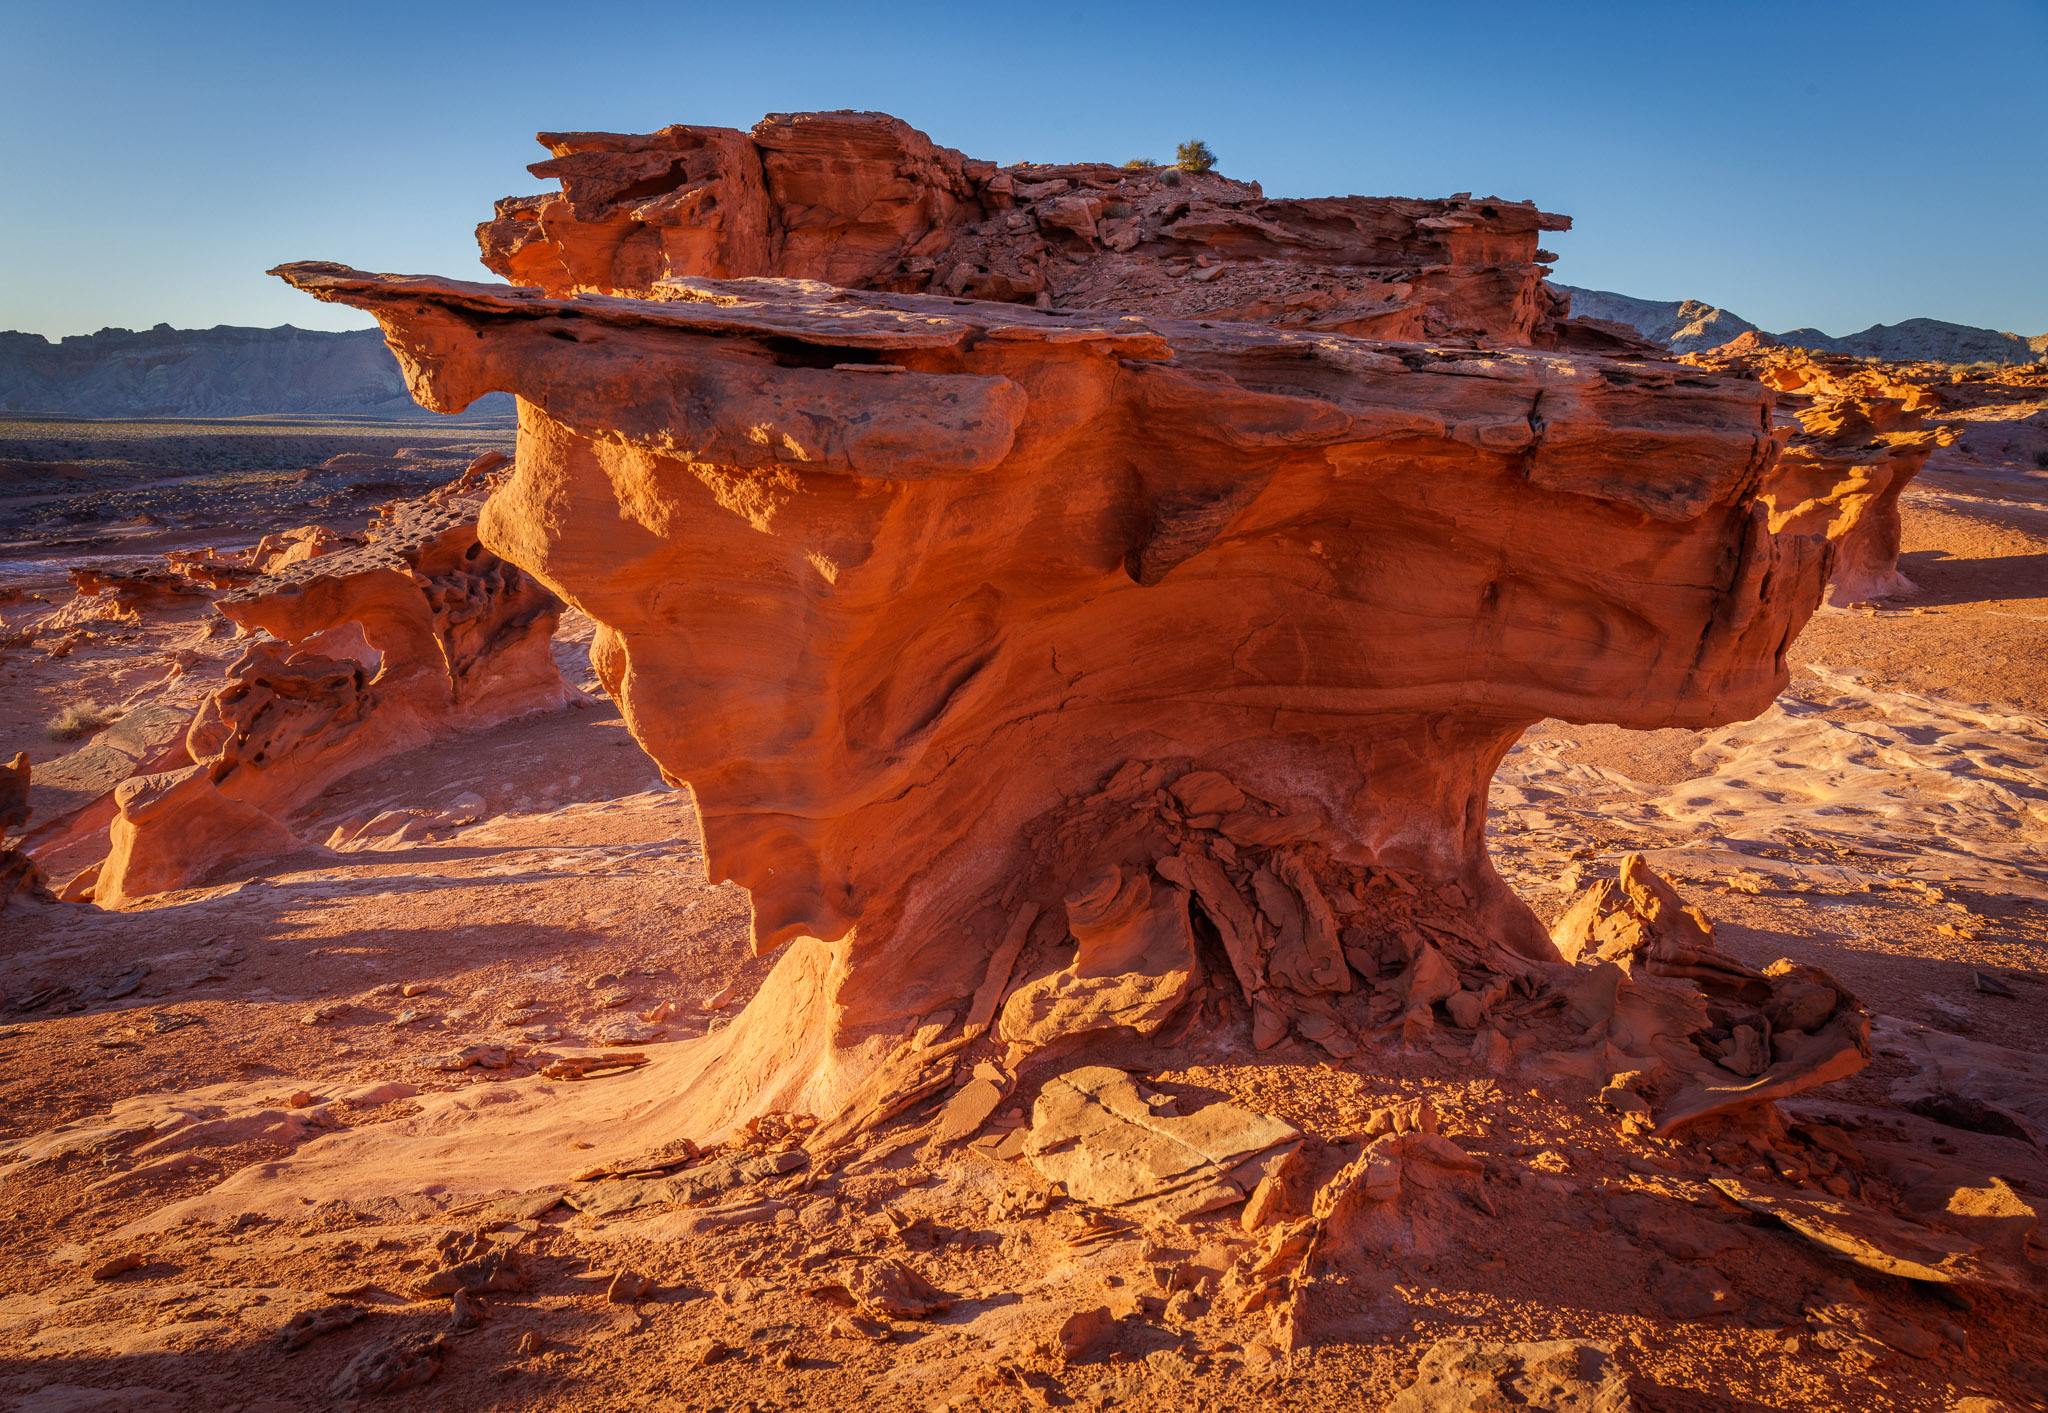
1555	1376
1970	1084
1009	575
865	201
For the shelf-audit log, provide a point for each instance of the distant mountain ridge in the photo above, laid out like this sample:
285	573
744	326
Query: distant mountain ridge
1690	326
220	372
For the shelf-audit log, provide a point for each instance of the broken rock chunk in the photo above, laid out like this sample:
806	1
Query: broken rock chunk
1133	967
388	1367
627	1287
1548	1376
890	1289
1865	1235
1085	1333
308	1325
498	1269
591	1066
861	1327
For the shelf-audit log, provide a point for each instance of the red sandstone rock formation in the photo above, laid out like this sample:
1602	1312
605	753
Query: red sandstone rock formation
1861	439
235	568
127	593
377	649
865	201
983	632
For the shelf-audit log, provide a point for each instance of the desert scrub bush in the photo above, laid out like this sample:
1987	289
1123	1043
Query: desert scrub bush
1136	162
1117	210
79	719
1194	156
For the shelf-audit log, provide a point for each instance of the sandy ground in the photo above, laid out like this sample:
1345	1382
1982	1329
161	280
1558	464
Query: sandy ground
1885	820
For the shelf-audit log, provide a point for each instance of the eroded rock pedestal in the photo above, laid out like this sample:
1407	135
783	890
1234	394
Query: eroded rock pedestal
1200	641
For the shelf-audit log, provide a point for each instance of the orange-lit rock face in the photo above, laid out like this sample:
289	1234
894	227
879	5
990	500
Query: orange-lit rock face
931	601
865	201
1861	439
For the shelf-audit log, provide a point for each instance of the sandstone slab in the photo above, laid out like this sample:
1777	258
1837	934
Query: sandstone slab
1093	1130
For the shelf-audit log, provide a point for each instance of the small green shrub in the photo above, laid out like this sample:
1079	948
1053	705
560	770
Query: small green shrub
79	719
1194	156
1117	210
1136	162
1171	176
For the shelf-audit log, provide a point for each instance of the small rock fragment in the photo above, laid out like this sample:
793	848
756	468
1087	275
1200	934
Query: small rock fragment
386	1368
700	1353
308	1325
587	1066
628	1286
498	1269
891	1289
466	1312
114	1266
1992	986
861	1327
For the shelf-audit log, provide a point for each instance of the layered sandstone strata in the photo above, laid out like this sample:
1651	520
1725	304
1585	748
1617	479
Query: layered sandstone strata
865	201
369	651
1115	665
1861	437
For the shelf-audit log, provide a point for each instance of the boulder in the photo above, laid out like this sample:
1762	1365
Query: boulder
1719	1036
177	828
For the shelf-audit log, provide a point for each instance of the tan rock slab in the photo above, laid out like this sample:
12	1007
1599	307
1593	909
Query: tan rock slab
1093	1131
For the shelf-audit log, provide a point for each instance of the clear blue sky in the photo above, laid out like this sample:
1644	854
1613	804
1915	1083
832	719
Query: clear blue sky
1827	165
